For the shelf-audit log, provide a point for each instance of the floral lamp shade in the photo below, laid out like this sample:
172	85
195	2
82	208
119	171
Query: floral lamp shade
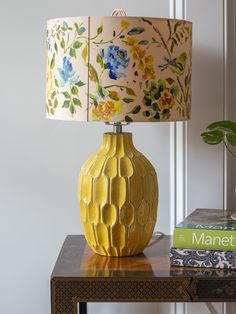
118	69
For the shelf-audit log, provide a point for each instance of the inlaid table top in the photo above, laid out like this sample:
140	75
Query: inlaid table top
84	276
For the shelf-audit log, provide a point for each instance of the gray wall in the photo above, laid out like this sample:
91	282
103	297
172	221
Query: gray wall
41	159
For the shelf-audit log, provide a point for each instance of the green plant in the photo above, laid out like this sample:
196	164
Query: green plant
221	131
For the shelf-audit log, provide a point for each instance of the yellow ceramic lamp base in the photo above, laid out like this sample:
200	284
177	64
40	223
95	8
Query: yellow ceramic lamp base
118	195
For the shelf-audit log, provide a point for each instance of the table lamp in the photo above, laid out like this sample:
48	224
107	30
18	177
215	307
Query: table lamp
118	70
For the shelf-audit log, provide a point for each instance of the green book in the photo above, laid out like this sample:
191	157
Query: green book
210	229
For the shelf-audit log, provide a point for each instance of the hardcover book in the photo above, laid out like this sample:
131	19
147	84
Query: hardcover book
202	258
209	229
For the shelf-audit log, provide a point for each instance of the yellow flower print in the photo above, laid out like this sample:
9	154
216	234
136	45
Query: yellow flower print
145	63
138	53
49	79
49	85
130	41
148	59
48	71
149	72
105	110
166	100
124	24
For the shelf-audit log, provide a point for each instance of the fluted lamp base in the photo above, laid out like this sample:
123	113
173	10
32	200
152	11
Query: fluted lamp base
118	196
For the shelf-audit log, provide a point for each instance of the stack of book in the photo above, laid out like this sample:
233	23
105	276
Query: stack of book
206	238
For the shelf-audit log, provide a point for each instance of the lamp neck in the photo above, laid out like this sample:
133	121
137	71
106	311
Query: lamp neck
117	126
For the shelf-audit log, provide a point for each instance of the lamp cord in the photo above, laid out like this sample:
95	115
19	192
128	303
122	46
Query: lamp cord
154	240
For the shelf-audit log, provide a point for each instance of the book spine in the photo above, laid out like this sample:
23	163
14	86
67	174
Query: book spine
202	258
205	239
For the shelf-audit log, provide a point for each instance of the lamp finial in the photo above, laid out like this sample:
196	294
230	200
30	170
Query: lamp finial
118	12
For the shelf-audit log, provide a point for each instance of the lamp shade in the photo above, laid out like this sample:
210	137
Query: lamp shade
117	69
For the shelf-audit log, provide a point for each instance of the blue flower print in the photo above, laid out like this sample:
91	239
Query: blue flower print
115	59
66	74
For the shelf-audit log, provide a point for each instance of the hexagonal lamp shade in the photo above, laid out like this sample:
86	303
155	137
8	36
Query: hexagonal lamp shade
118	69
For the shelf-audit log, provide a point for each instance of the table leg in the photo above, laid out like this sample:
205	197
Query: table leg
64	299
82	307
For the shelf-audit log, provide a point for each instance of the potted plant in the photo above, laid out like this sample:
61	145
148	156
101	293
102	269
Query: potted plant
221	131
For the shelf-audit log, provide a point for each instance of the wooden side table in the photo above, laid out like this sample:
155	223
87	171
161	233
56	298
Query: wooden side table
81	276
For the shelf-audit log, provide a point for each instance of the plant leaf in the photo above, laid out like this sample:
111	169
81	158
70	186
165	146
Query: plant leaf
225	126
213	137
231	138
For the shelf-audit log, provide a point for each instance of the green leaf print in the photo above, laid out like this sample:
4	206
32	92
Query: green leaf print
67	95
52	64
128	100
77	44
136	31
66	104
77	102
72	52
74	90
100	30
